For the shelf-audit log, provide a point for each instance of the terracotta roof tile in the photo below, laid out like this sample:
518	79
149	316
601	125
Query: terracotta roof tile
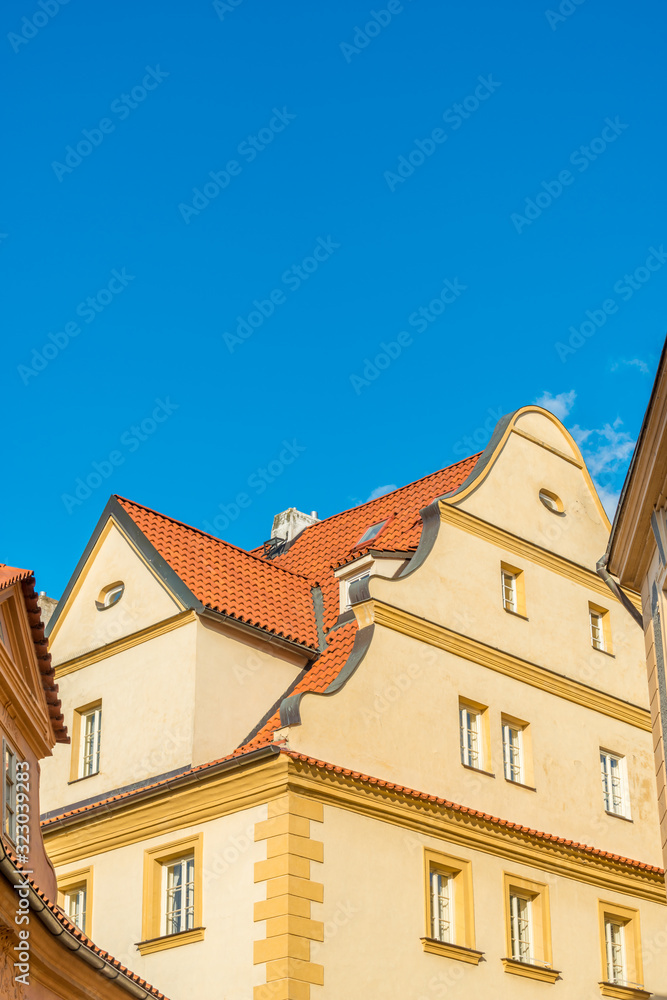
75	931
367	779
230	580
323	547
9	575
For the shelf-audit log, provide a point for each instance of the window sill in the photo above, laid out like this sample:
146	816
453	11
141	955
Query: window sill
626	819
520	784
84	777
605	651
516	614
171	941
478	770
457	951
623	992
539	972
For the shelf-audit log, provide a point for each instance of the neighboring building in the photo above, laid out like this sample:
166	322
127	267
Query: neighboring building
391	755
637	555
43	953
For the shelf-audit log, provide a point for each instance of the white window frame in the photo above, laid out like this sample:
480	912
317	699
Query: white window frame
353	579
74	904
521	928
470	737
513	753
89	757
9	779
596	621
509	591
615	952
442	907
185	914
614	776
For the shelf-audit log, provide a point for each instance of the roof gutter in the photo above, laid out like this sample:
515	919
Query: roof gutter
16	878
204	772
603	572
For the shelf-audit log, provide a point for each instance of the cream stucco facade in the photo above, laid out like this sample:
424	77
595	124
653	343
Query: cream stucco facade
315	848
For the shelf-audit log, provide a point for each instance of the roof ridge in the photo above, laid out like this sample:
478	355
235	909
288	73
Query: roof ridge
221	541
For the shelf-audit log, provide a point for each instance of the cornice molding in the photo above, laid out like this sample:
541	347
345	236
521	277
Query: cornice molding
504	663
529	550
125	642
209	798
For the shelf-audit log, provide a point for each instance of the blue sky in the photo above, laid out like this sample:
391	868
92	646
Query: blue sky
217	216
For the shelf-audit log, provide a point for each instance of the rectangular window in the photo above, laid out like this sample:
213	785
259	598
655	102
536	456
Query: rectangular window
614	784
91	736
172	914
509	592
179	895
471	736
600	628
513	590
513	753
614	934
442	907
620	948
74	905
528	929
450	920
521	931
86	741
75	894
9	792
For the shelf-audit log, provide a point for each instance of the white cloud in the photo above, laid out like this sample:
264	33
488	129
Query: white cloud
380	491
634	363
559	405
607	451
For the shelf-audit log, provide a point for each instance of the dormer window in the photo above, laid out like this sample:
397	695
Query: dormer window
109	596
371	533
348	584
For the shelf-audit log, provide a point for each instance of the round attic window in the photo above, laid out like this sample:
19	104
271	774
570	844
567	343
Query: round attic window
109	596
552	502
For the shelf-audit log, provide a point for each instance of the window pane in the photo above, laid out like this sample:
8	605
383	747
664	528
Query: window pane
469	734
615	948
180	896
442	916
520	928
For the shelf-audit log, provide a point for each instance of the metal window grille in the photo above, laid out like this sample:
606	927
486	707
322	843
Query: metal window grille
470	737
521	928
91	742
75	906
513	752
612	783
180	895
597	630
442	908
615	949
509	591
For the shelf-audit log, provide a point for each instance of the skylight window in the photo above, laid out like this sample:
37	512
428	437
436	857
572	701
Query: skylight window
371	533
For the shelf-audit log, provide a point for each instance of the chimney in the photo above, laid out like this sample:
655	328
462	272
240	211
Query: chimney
47	605
288	524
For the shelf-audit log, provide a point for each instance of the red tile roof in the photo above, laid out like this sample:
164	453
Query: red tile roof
230	580
75	932
325	669
9	575
323	547
361	778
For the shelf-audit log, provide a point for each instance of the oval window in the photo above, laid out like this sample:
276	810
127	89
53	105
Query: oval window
109	596
551	501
